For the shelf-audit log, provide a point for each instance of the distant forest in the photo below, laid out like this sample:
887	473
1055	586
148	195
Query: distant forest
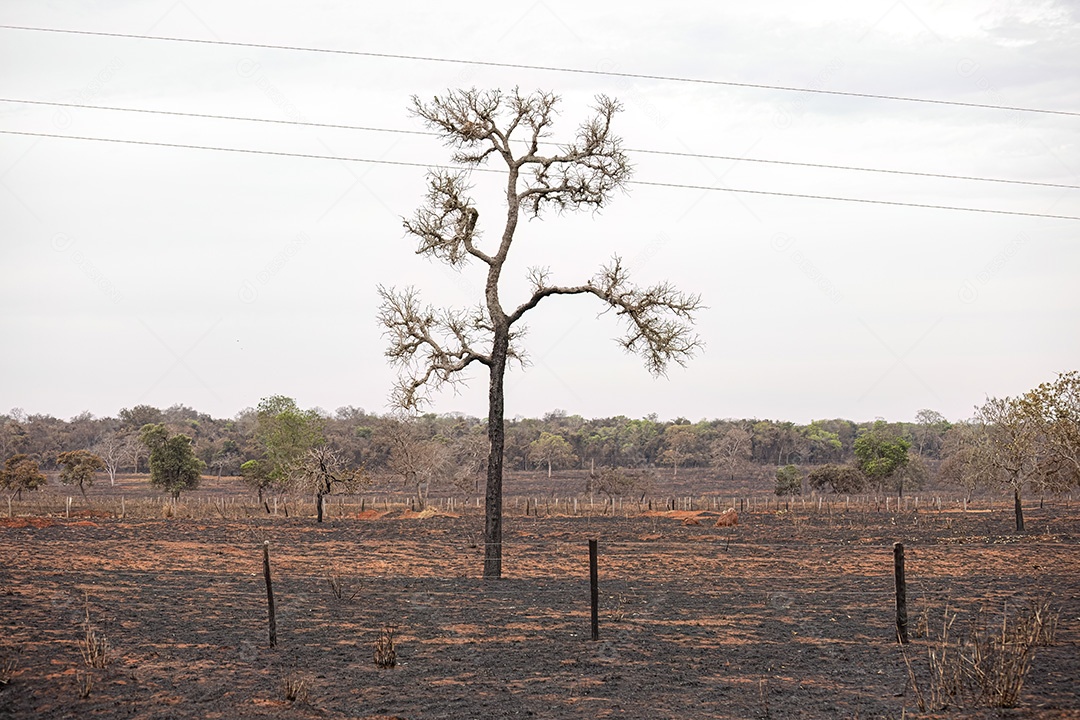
557	441
1029	442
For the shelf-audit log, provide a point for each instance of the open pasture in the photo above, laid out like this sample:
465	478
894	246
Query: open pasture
789	614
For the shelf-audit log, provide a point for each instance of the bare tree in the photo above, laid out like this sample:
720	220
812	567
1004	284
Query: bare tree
731	452
321	471
417	458
432	347
113	450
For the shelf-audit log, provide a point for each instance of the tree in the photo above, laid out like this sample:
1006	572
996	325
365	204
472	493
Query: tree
417	458
1057	407
679	441
256	474
173	465
322	471
731	452
880	454
619	482
964	459
433	347
823	445
788	481
113	449
78	468
929	432
21	472
1013	447
140	416
839	478
550	449
286	434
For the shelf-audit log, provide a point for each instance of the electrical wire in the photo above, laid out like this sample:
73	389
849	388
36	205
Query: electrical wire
548	68
701	156
633	182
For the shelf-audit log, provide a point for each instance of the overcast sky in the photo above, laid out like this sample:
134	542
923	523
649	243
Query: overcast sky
142	274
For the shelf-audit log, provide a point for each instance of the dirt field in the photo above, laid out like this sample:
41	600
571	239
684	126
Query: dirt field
787	615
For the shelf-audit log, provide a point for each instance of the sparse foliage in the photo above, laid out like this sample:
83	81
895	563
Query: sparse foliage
731	453
322	470
78	467
432	347
550	449
619	482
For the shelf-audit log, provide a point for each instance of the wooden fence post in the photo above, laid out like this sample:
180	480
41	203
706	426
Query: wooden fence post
901	593
594	591
269	594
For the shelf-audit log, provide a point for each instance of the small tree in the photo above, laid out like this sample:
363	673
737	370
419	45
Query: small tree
112	449
417	458
550	449
322	471
619	482
1013	447
731	452
678	442
21	472
838	478
173	465
257	475
79	468
788	481
286	434
1057	405
880	455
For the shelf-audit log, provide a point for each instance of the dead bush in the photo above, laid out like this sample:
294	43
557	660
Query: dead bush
987	665
295	687
385	649
94	646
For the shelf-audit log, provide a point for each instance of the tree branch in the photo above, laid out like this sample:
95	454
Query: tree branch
431	347
659	318
587	171
446	224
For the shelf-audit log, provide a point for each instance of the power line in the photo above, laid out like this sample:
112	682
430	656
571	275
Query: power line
549	68
400	163
175	113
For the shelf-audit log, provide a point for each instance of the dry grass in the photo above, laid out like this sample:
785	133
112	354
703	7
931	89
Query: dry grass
94	647
85	682
339	589
295	688
385	649
7	671
988	665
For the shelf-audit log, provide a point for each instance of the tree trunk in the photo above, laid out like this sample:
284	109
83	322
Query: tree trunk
497	438
318	506
549	469
1019	510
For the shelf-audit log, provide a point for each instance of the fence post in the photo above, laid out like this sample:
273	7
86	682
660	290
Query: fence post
594	591
901	593
269	594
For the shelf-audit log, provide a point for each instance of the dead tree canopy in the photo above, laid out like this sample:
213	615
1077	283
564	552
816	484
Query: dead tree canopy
432	346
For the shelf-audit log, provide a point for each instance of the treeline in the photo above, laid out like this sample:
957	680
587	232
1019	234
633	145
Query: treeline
1015	443
556	441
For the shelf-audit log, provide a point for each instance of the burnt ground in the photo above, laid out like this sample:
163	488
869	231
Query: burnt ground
788	614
